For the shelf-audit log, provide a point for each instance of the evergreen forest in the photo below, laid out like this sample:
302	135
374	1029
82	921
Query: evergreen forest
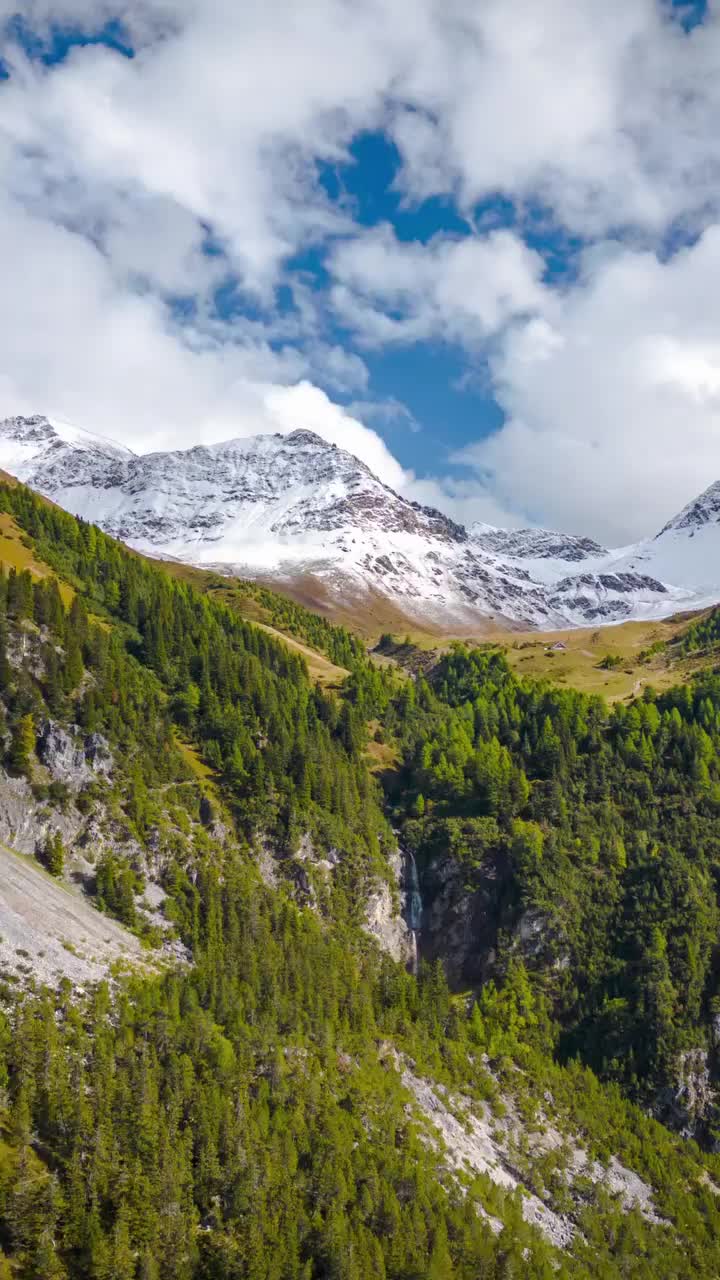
242	1106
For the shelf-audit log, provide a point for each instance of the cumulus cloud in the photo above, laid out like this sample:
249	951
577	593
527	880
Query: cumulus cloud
605	112
614	409
135	188
461	289
76	345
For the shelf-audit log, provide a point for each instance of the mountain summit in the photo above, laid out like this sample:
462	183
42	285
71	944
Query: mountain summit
302	513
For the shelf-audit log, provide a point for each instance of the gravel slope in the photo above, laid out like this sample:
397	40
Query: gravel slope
49	931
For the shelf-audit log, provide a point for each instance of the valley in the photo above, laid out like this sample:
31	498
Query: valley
344	931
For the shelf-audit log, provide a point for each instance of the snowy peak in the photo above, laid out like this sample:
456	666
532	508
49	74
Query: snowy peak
685	552
37	434
296	510
701	511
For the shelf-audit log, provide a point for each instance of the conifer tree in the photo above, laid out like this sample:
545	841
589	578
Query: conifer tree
55	854
22	746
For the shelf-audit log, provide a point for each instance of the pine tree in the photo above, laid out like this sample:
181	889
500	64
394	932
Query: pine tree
22	746
55	854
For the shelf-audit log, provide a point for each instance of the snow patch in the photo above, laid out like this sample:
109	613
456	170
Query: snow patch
294	506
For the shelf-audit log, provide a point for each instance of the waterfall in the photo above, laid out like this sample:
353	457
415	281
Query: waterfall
413	905
413	898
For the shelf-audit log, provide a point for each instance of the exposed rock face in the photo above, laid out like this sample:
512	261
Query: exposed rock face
703	510
460	924
693	1104
473	1139
383	918
266	866
536	544
62	755
540	941
27	822
98	754
25	825
72	759
48	931
306	872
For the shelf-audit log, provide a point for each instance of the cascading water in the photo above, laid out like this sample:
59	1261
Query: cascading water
413	899
413	904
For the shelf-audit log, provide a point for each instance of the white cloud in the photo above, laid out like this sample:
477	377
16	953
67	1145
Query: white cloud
605	111
78	346
115	170
463	290
305	406
614	411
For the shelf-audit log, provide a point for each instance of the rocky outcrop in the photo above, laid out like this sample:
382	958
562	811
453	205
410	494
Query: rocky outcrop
460	920
25	823
501	1145
383	917
98	754
692	1104
71	758
30	813
306	872
309	872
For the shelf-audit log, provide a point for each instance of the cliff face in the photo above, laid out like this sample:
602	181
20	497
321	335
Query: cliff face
385	917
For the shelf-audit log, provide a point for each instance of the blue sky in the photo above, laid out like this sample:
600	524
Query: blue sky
475	245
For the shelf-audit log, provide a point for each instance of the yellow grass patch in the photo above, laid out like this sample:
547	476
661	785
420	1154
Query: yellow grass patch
321	668
194	761
381	755
16	554
574	657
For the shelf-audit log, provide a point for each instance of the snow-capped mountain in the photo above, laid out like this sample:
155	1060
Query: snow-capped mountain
686	550
296	509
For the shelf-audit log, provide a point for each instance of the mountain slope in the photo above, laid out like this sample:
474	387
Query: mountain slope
686	550
289	1101
277	507
294	510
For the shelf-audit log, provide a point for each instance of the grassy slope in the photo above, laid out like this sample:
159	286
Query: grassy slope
530	653
16	553
320	667
578	664
199	769
230	591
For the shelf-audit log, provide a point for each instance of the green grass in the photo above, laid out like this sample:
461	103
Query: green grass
202	771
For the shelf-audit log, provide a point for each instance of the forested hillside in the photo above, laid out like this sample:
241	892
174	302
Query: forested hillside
592	835
287	1101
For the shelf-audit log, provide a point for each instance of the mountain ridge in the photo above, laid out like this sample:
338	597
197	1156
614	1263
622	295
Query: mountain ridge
279	508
